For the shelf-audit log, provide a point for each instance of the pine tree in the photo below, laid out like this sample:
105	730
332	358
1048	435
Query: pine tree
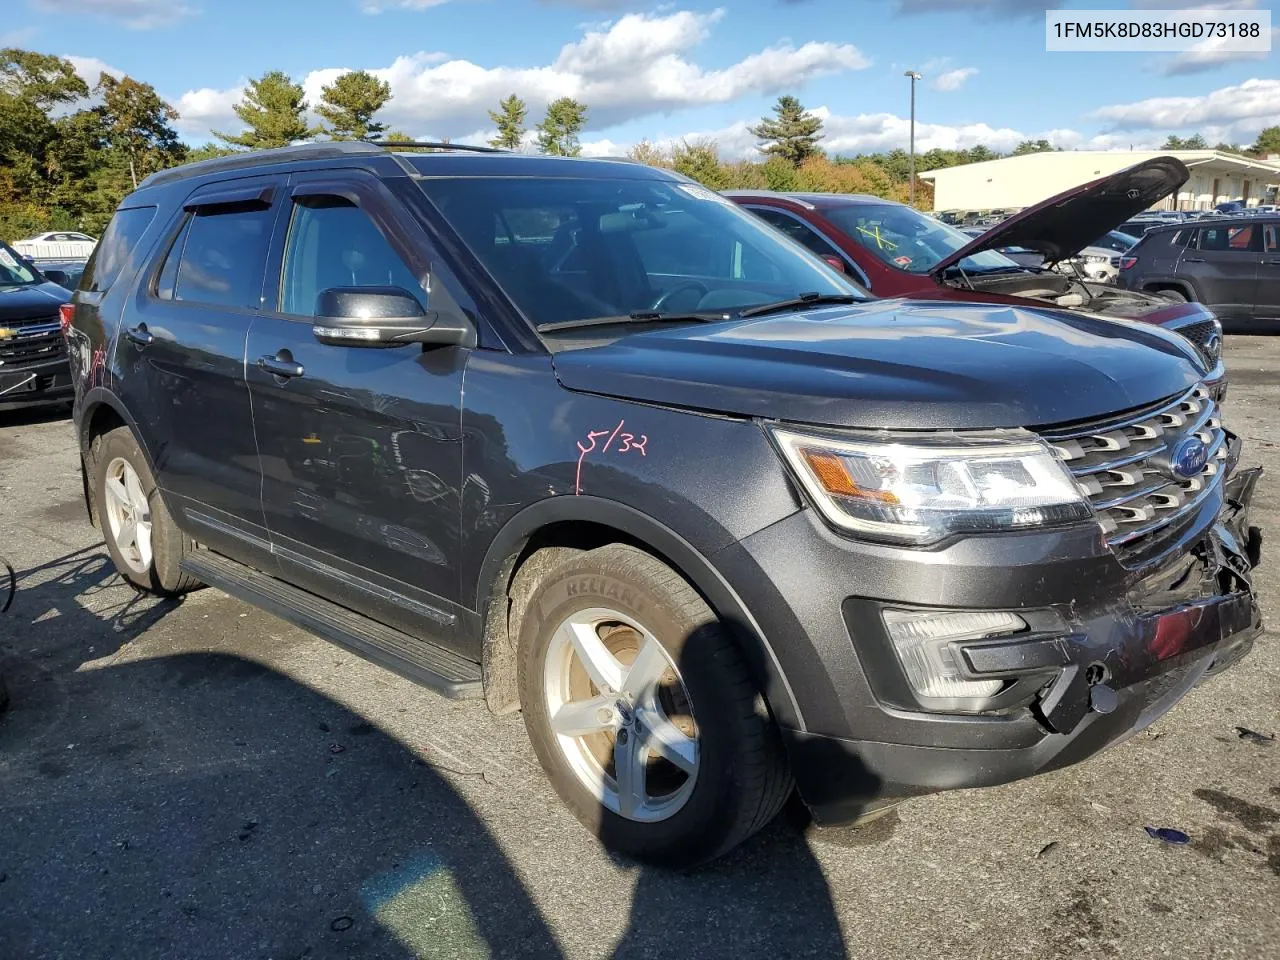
559	129
137	126
792	135
509	118
273	109
349	104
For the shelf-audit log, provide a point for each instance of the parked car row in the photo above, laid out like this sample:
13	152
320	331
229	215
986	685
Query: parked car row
717	520
56	245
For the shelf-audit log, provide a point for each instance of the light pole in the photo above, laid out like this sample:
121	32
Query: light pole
912	183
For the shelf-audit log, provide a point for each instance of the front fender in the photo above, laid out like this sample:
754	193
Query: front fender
676	550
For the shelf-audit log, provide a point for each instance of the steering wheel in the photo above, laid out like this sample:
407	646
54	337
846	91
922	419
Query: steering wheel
661	302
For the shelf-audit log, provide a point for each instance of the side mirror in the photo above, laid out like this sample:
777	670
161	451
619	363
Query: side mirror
383	317
834	262
60	277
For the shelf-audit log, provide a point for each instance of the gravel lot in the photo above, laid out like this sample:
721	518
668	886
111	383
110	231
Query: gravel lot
199	779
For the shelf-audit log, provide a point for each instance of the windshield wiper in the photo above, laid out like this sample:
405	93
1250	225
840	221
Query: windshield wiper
639	316
797	303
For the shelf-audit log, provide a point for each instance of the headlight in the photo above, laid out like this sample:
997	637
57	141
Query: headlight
924	490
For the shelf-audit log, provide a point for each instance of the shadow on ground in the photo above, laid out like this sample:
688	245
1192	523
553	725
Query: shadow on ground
206	805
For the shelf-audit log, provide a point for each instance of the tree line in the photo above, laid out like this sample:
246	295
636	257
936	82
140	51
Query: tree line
69	153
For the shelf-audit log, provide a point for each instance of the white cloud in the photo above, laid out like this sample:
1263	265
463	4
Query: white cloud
1234	113
202	111
1209	55
953	79
90	69
635	66
377	6
134	14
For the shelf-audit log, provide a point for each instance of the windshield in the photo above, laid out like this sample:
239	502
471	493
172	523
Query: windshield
908	240
574	249
14	272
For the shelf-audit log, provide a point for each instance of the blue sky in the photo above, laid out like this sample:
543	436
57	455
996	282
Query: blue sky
660	71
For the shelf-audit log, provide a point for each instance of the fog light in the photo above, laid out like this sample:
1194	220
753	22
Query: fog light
922	640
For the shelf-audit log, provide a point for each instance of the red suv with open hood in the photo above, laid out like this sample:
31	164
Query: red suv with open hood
896	251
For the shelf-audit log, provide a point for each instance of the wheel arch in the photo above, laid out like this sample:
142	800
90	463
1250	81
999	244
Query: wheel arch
1183	286
568	524
100	412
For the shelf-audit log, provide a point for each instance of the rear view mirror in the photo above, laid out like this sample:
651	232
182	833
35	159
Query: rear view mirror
834	262
383	317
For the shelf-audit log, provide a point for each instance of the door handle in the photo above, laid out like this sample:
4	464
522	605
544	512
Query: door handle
140	335
281	366
1193	260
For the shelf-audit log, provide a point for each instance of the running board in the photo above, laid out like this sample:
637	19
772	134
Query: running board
418	660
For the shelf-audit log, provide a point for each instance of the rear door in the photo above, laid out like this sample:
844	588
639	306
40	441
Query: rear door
361	447
181	351
1223	263
1269	272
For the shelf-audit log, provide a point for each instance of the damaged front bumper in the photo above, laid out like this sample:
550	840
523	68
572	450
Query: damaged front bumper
1106	652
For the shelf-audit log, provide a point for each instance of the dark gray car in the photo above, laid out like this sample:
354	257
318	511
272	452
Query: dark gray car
1232	265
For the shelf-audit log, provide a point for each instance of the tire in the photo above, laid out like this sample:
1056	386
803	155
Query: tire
1177	296
700	737
151	558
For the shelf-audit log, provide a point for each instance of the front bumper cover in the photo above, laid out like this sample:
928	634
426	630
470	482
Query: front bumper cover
1110	672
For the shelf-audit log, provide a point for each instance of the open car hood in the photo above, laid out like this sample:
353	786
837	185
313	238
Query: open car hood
1062	226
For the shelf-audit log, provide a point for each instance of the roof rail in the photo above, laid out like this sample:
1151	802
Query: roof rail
324	150
471	148
256	158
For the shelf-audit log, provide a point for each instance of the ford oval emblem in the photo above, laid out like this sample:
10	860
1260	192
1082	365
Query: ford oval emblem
1189	457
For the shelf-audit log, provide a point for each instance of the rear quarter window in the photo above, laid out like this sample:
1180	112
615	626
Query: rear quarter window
116	248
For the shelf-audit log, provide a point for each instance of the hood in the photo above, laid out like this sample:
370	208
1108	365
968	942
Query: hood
1062	226
35	302
891	364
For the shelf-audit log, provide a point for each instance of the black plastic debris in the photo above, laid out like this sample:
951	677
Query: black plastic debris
1253	736
341	923
1047	849
336	748
1168	835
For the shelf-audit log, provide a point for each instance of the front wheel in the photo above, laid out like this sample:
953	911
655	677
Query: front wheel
1177	296
643	713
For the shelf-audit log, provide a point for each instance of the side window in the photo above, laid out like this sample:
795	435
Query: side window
220	262
116	247
1271	237
333	243
169	272
797	231
1228	239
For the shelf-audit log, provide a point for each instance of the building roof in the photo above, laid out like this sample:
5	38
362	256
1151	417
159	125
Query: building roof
1112	160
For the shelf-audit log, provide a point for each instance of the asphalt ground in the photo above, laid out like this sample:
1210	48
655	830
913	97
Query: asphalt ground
198	779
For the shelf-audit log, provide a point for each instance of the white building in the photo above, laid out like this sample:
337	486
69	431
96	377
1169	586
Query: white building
1028	179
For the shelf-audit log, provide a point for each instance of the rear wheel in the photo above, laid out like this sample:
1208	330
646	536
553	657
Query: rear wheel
141	537
642	711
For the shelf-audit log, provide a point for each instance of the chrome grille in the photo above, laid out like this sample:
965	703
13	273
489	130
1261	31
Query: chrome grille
24	342
1124	467
1207	336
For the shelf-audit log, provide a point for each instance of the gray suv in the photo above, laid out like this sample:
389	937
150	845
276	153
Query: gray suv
1231	265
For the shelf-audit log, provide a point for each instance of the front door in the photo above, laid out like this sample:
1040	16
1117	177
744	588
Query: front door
1224	262
360	447
181	352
